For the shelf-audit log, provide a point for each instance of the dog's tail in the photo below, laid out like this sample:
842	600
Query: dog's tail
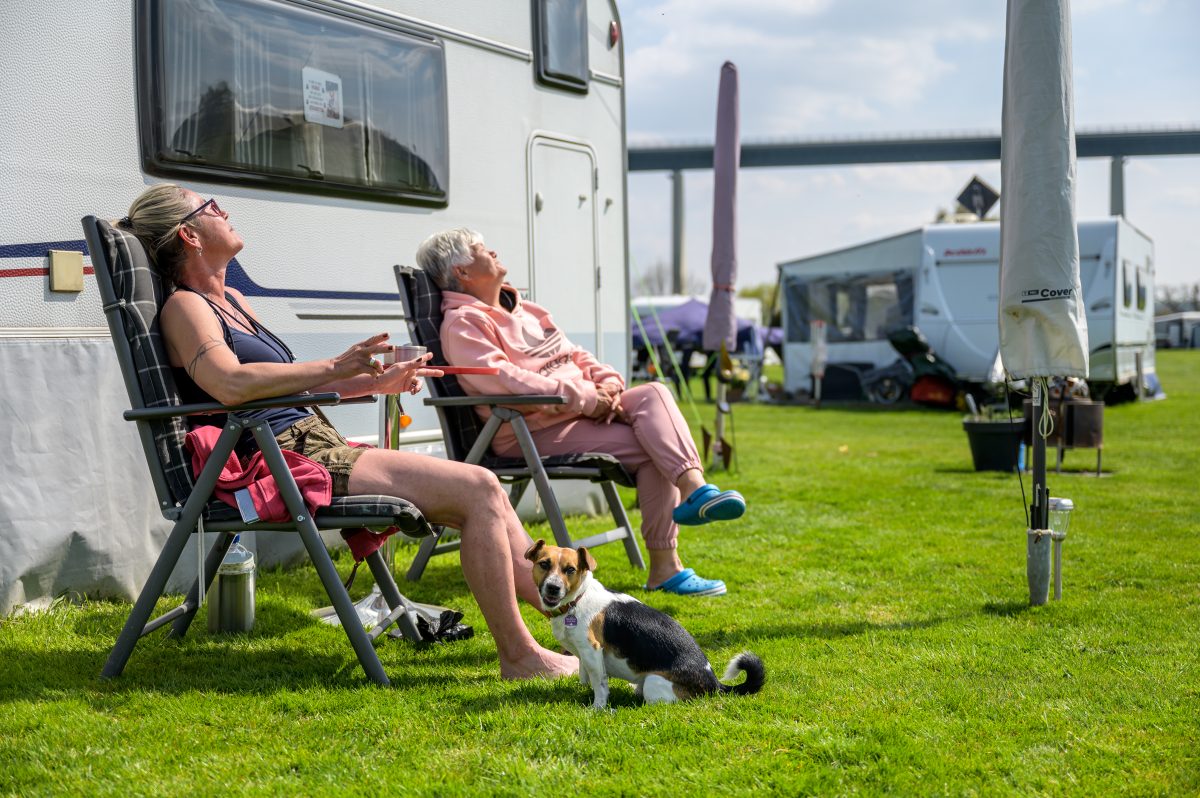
756	674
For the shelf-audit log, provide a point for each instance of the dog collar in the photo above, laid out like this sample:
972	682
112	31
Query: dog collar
564	609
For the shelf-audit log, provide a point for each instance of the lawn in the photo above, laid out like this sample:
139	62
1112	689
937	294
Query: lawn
880	579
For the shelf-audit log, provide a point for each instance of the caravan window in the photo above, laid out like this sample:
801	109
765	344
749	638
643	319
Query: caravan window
1141	290
863	307
1127	285
275	94
560	43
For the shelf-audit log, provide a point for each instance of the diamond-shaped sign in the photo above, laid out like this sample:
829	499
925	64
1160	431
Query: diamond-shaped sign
978	197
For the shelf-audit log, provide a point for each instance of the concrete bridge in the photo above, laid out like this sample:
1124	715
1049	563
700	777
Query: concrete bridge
1118	145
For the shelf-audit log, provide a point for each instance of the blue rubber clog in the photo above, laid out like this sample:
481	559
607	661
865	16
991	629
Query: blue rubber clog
686	583
709	503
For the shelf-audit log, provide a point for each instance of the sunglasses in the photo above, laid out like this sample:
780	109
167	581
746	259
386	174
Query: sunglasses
200	210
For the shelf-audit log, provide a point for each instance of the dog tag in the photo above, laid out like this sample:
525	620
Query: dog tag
571	620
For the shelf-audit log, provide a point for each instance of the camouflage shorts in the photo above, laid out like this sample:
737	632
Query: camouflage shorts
321	443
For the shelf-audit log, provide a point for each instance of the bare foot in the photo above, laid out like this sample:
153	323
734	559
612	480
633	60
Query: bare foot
664	563
657	576
540	664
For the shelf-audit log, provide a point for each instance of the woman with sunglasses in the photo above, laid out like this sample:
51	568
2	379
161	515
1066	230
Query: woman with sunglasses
219	350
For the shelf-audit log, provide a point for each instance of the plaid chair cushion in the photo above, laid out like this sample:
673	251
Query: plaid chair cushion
423	310
139	295
607	467
347	510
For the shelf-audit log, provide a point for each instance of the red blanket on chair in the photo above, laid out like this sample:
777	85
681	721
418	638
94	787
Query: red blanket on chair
312	478
316	486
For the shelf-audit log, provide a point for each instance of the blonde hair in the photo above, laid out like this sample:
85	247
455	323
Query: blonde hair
441	252
154	218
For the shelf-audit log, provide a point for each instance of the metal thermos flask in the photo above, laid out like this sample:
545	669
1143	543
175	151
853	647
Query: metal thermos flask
231	599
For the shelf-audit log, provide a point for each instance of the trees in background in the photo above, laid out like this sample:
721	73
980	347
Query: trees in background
765	293
656	281
1176	298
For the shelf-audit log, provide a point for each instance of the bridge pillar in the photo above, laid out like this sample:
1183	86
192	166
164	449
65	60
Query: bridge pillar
678	265
1116	187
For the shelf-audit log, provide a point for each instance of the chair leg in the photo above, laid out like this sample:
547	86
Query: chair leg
391	594
351	623
213	561
137	625
517	492
550	503
622	519
155	584
541	482
424	552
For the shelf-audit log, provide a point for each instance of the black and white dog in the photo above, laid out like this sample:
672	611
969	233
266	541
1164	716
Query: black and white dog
614	634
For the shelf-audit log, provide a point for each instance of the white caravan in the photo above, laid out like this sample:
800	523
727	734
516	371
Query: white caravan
1178	330
944	279
338	135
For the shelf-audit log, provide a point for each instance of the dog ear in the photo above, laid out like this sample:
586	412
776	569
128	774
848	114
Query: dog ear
586	561
535	550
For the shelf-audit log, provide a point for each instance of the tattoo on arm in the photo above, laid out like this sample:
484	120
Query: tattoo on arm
204	349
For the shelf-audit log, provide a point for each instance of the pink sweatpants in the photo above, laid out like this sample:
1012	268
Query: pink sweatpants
655	445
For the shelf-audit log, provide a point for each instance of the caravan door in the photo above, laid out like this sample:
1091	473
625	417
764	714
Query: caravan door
960	296
564	271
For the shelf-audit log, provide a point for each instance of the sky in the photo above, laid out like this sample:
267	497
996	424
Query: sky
812	69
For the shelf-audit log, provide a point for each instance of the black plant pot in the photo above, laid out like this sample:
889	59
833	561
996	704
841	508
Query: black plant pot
994	444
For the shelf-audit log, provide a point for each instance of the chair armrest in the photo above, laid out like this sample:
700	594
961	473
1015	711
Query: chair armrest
492	401
211	408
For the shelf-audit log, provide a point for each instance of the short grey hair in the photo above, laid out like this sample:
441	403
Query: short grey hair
441	252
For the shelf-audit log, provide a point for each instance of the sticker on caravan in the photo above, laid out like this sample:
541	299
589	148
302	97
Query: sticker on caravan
322	97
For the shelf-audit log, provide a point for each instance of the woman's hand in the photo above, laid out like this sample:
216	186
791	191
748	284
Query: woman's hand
360	358
610	388
606	405
406	376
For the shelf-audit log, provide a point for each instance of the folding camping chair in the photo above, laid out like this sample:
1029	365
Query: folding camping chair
468	439
132	295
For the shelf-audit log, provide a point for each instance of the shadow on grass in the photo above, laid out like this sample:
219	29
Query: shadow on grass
818	631
1005	609
561	692
288	649
1083	472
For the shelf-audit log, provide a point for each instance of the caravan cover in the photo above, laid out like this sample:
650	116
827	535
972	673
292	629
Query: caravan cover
721	327
1043	330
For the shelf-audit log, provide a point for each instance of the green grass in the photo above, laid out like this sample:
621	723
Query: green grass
879	577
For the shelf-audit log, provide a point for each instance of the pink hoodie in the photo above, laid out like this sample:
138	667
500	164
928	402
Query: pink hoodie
533	355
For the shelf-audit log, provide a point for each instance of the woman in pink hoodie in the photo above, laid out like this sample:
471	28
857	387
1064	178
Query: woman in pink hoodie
487	324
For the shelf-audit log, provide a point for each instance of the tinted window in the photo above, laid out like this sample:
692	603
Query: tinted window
1127	290
560	36
261	91
854	308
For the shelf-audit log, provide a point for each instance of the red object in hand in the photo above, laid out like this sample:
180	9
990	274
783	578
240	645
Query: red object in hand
492	370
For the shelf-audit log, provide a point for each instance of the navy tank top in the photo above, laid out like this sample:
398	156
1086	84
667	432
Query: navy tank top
260	347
